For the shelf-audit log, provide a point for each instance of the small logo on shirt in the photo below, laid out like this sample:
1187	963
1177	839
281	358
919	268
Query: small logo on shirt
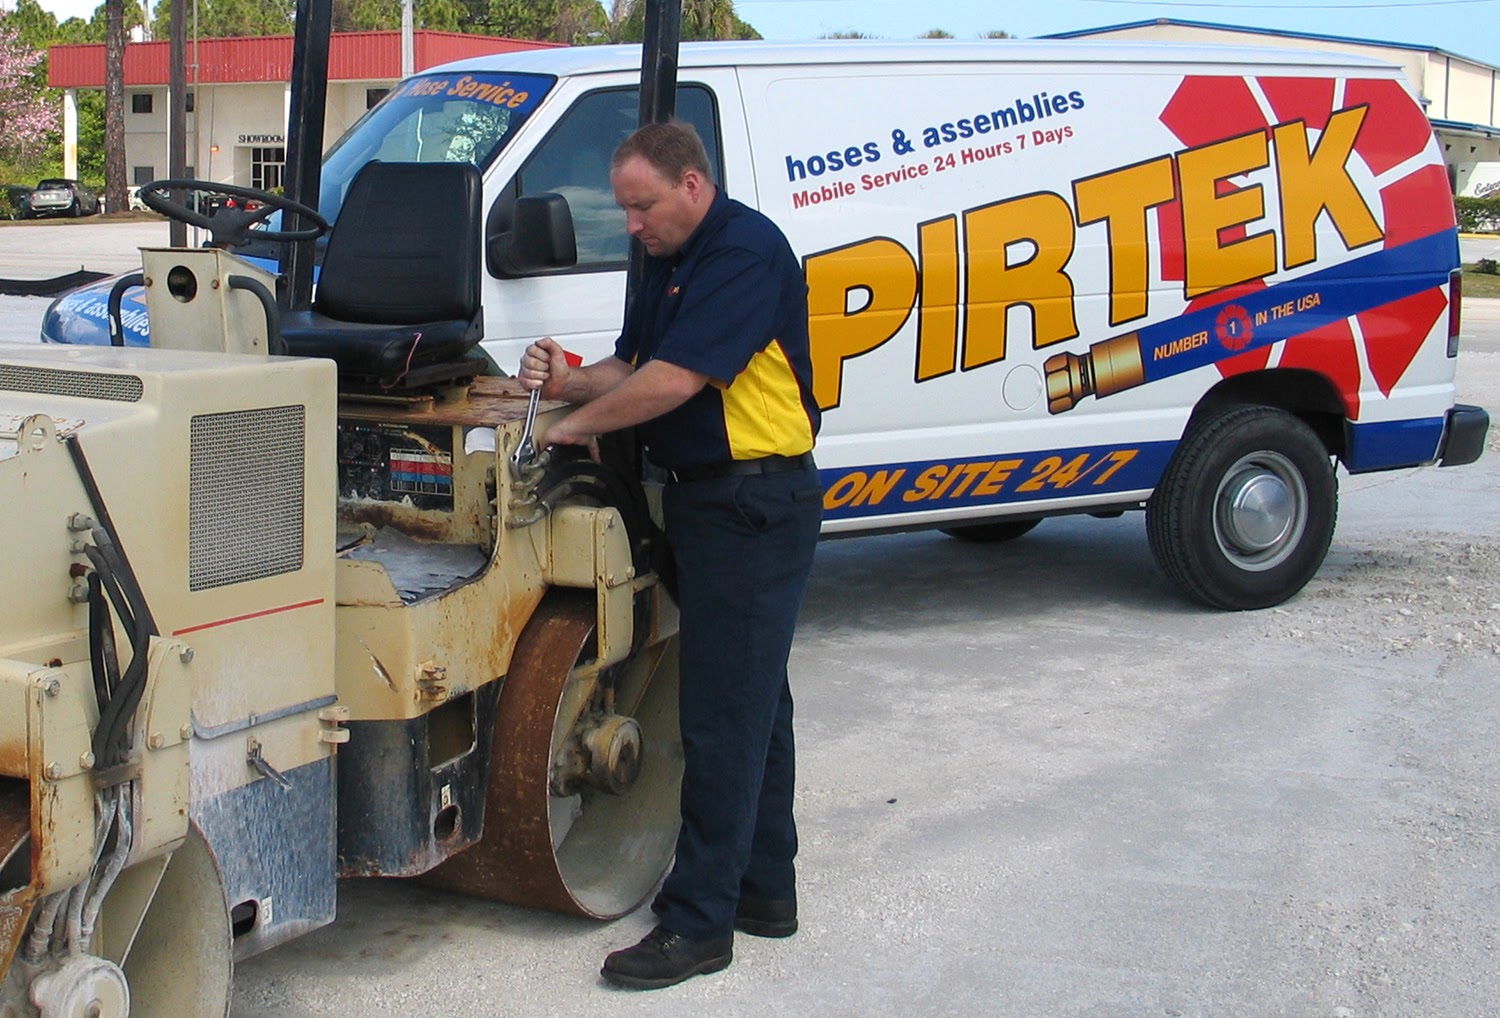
673	291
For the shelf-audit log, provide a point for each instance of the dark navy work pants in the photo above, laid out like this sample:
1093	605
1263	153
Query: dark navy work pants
743	547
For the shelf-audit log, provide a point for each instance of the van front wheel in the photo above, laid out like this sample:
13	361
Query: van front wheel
1244	514
992	533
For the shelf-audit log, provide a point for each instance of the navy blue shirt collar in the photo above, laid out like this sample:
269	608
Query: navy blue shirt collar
718	209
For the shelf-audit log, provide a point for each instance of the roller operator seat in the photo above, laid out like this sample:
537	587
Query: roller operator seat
398	296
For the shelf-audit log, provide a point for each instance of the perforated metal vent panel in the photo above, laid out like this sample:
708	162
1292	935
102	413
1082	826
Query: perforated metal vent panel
87	384
245	496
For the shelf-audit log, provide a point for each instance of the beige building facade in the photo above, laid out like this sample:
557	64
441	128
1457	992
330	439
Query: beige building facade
238	96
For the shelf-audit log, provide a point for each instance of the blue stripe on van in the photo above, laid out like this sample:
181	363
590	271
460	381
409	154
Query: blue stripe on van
891	489
1002	479
1290	309
1386	445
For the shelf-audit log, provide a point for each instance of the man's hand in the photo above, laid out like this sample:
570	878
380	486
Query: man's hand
545	366
562	434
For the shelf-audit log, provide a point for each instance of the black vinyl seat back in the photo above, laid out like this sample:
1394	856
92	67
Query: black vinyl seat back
405	248
399	287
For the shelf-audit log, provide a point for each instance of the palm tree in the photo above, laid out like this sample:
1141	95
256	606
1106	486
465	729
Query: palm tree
708	19
114	105
701	19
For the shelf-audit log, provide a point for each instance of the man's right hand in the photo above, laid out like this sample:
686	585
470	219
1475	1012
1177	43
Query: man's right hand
544	365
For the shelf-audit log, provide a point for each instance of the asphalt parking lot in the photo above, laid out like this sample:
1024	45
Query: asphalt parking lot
1035	782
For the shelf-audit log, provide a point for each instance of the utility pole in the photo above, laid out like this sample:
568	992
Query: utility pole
408	39
177	108
658	93
304	150
659	60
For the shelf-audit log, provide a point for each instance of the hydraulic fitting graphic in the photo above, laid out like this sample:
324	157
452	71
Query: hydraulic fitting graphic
1106	368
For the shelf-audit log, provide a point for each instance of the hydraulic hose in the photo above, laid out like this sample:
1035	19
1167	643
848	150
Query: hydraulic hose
102	657
116	297
111	737
106	522
109	583
111	743
41	929
107	804
124	842
274	343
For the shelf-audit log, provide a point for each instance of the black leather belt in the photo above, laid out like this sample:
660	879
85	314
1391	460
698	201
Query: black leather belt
740	468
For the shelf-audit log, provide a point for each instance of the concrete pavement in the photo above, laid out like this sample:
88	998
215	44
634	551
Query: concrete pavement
1036	782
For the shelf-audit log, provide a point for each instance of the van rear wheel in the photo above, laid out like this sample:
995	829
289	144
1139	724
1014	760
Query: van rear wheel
1245	512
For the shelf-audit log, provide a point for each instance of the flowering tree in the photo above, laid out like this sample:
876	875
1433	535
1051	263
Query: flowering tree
27	118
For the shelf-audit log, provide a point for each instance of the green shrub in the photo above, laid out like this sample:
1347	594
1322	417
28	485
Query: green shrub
1488	266
1477	215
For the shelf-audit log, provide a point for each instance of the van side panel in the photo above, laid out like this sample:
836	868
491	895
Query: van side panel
566	149
1023	279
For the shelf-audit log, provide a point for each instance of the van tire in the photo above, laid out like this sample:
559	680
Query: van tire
992	533
1256	556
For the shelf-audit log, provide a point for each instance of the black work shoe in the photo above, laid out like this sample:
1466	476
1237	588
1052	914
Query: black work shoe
663	958
766	917
759	917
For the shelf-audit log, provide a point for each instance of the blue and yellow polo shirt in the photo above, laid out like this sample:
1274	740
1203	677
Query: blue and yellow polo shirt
732	305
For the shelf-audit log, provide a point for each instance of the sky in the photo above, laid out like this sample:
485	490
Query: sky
1468	28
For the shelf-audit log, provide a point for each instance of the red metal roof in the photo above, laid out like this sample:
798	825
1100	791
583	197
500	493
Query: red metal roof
352	56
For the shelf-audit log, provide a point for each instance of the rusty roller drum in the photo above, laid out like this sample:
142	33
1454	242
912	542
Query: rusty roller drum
16	898
582	809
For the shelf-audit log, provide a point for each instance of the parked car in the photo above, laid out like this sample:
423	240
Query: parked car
58	197
17	201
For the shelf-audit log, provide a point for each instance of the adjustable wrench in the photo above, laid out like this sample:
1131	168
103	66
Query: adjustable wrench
526	450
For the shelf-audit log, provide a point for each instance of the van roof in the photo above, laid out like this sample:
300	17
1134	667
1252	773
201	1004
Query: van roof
851	52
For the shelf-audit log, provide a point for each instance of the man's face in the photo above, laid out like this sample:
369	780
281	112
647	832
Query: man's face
660	213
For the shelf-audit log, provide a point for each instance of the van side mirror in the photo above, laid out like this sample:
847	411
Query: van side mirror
540	238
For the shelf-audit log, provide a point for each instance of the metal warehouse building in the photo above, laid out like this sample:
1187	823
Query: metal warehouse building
1461	95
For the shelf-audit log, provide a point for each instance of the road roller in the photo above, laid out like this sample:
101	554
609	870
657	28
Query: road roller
295	597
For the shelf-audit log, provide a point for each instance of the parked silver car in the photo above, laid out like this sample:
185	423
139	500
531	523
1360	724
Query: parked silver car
58	197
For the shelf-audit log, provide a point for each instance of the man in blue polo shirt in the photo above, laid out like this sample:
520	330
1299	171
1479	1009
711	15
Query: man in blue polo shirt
713	365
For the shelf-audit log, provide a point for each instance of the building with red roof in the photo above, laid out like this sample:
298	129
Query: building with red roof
239	95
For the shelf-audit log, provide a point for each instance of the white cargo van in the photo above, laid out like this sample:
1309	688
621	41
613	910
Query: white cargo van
1044	277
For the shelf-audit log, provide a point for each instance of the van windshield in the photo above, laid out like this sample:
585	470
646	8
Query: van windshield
454	117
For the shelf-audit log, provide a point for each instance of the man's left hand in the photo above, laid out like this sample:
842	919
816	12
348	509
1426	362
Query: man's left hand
561	434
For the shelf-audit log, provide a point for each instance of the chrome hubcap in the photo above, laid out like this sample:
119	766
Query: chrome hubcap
1260	511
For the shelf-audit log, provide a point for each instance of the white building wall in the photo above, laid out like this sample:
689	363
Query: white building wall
228	124
347	102
1476	163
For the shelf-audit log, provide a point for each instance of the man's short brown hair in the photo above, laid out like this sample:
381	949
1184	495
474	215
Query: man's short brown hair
672	149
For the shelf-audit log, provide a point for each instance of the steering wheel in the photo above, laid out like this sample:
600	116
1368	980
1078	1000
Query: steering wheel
230	226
